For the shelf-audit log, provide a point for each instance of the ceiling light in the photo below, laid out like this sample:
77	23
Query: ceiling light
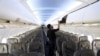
76	4
36	13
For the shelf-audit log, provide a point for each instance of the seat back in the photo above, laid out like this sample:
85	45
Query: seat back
32	54
3	48
68	48
83	38
84	52
59	42
16	49
12	40
96	46
36	47
83	44
5	54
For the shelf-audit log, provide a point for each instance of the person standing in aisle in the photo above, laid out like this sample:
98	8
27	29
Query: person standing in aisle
52	38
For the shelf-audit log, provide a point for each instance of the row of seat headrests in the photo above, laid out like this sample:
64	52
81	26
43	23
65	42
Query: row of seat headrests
71	43
81	41
20	37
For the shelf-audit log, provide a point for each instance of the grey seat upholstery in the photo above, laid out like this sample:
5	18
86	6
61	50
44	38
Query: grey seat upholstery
68	48
3	48
36	47
83	38
32	54
59	34
59	42
73	38
16	49
12	40
84	52
84	44
38	39
5	54
39	34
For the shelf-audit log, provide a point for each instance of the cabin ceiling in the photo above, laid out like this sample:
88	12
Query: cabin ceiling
39	11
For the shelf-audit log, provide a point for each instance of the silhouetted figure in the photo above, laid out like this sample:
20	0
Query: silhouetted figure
52	38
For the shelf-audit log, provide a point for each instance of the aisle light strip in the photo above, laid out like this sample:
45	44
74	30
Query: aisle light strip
39	21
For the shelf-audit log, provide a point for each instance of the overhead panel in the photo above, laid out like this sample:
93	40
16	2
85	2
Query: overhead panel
13	9
89	14
70	7
45	10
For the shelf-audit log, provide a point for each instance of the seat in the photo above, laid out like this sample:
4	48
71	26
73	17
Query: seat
96	46
16	49
12	40
3	48
68	48
5	54
37	39
59	34
36	47
83	38
85	52
32	54
73	38
39	34
83	44
59	42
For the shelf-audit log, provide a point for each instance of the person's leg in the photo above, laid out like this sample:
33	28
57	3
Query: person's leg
54	48
51	50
